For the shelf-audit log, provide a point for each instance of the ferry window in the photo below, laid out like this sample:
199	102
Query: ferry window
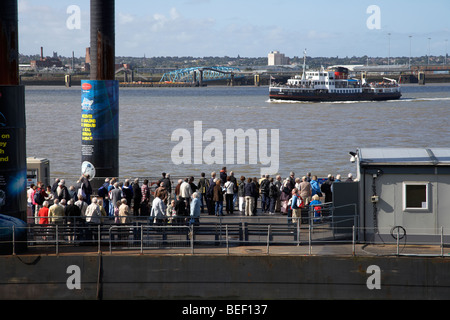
415	196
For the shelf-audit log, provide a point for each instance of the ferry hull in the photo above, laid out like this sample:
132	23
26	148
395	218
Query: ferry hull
333	97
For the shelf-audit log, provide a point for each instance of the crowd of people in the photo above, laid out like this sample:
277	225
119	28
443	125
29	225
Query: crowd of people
164	202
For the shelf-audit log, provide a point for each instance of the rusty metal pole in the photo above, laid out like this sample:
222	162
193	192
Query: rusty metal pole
102	40
9	43
13	165
100	99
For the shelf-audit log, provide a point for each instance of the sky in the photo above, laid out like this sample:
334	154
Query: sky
248	28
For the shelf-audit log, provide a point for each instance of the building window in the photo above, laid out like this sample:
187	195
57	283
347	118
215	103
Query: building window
415	196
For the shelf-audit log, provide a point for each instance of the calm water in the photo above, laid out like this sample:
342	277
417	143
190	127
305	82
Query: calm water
313	137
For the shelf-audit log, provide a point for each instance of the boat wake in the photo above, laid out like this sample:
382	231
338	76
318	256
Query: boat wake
423	99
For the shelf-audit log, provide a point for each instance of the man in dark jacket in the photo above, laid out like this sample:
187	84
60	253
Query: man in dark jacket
167	185
209	195
235	191
137	197
264	190
87	189
127	191
327	190
249	192
64	192
223	175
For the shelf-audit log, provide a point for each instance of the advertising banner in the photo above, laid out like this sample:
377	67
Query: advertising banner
13	163
100	128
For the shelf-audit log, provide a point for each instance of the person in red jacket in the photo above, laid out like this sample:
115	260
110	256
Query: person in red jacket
43	213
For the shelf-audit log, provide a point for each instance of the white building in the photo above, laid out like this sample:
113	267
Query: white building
277	58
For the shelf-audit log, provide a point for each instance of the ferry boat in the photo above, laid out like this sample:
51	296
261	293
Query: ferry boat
332	85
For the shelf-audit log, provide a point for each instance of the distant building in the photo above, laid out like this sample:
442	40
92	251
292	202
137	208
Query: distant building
87	61
53	62
277	58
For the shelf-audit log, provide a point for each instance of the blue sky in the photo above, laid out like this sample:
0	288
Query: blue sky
249	28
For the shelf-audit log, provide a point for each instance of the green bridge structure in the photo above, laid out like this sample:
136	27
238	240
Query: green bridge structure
202	74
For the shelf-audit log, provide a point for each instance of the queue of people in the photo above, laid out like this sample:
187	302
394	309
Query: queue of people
166	203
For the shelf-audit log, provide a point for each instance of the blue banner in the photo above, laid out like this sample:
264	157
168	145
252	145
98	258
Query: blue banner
100	127
13	166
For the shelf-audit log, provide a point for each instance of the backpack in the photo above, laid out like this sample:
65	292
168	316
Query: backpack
38	198
265	186
299	203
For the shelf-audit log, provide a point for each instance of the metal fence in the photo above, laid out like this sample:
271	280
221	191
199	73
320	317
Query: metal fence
315	234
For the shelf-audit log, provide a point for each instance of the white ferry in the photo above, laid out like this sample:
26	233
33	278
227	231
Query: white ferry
334	85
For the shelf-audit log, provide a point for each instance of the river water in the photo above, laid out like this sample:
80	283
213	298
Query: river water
313	137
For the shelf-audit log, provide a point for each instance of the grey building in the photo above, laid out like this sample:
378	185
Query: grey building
405	191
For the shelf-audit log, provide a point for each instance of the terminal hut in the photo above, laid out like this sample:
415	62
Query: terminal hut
404	193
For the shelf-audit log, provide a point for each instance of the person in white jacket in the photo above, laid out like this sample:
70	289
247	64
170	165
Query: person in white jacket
158	213
186	192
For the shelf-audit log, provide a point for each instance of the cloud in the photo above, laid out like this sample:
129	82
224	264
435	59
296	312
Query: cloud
172	33
45	26
163	34
125	18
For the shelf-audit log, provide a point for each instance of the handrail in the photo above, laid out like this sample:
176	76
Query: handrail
269	234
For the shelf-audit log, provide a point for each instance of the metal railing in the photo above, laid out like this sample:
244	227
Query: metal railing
225	237
325	232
